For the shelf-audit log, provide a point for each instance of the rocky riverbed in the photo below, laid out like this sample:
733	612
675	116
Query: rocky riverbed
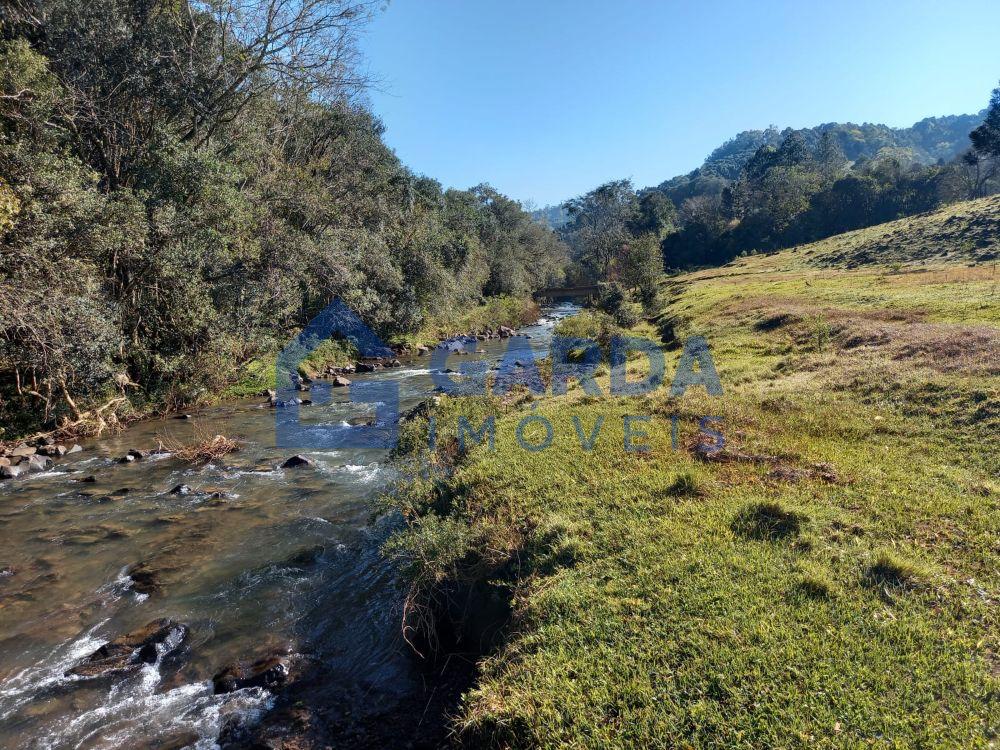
150	602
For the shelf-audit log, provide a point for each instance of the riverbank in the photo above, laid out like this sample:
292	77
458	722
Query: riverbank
828	577
336	356
496	312
257	376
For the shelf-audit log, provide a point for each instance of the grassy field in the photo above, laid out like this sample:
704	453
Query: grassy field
828	579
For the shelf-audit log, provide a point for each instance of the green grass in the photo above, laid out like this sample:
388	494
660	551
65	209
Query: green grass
840	590
254	378
330	353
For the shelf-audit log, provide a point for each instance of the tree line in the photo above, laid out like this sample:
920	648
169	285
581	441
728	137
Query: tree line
184	184
799	187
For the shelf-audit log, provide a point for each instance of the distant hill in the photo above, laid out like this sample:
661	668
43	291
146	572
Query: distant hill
553	217
931	140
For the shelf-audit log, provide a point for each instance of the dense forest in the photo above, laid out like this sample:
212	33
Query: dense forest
183	185
766	190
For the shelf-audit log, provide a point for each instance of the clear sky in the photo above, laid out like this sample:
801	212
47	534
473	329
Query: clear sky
546	99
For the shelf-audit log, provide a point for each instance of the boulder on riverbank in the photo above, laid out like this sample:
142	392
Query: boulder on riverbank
24	459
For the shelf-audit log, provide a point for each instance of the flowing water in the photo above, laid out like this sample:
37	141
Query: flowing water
255	558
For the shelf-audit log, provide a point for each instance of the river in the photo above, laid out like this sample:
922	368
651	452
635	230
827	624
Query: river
255	558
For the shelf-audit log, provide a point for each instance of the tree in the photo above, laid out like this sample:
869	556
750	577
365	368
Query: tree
599	225
986	138
641	266
978	171
793	151
982	162
830	158
141	73
657	215
189	183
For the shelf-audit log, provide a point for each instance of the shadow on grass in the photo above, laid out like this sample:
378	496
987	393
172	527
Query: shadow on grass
767	521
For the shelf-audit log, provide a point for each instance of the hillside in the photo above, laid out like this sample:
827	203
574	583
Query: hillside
966	231
926	142
930	141
828	578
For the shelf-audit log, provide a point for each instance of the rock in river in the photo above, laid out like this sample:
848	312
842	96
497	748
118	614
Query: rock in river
39	463
145	578
11	472
296	461
130	651
270	673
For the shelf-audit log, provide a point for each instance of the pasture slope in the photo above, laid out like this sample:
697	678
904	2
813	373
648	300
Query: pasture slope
829	579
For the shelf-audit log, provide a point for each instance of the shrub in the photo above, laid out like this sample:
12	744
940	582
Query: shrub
767	521
589	324
820	332
611	296
206	449
629	315
889	569
684	484
330	353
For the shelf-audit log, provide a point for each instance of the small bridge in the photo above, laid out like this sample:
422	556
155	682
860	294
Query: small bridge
584	293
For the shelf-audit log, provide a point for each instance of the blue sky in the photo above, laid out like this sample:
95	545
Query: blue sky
548	99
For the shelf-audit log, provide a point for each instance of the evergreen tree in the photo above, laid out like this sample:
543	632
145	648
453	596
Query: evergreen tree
986	138
830	158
